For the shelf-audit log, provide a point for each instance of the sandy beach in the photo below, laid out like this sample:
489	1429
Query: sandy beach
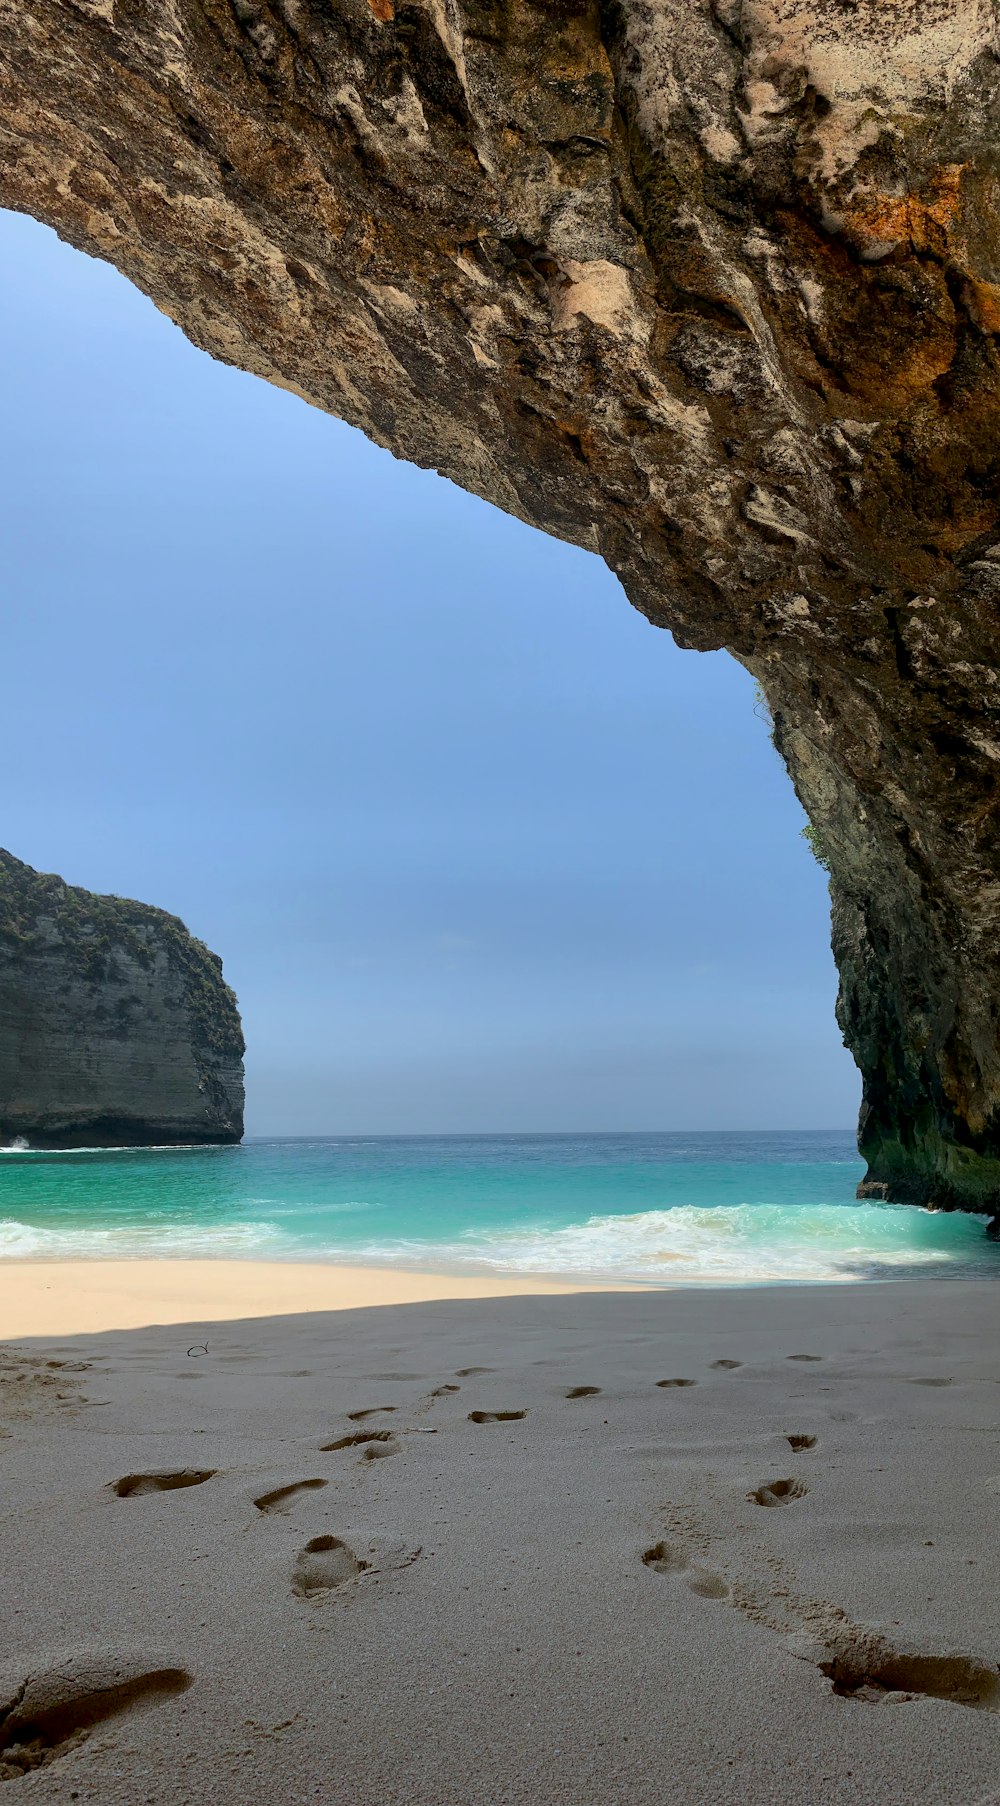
700	1546
66	1297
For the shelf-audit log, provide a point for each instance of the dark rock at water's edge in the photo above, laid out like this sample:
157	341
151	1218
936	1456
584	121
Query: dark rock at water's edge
117	1028
710	287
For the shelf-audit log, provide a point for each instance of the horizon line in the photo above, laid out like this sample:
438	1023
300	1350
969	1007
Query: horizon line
522	1134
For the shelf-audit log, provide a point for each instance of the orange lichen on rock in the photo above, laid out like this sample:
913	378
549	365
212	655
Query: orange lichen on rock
876	222
983	302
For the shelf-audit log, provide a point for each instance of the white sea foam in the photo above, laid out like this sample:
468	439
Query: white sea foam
741	1244
301	1205
28	1241
20	1146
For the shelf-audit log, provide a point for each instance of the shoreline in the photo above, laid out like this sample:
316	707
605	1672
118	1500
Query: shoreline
92	1294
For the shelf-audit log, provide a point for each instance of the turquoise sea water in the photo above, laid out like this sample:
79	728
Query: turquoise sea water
657	1209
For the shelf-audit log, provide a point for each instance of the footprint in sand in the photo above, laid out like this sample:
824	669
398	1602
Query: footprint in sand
283	1497
864	1668
706	1584
728	1365
51	1710
858	1662
466	1373
28	1385
801	1442
324	1564
677	1382
442	1391
369	1411
803	1357
664	1558
376	1443
132	1486
930	1382
583	1392
495	1416
779	1492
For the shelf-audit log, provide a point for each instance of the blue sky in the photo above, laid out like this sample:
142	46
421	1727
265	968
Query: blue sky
480	848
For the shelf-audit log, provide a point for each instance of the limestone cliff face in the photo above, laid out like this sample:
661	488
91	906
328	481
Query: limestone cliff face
116	1027
709	286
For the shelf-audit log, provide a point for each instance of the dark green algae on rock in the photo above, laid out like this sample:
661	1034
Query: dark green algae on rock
117	1027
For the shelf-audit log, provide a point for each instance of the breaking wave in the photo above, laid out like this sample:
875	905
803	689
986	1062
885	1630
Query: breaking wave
20	1146
161	1241
740	1244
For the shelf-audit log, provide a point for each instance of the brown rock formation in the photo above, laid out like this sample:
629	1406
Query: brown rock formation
116	1027
709	286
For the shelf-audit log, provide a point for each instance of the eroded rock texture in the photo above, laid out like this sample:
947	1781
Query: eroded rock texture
709	286
116	1027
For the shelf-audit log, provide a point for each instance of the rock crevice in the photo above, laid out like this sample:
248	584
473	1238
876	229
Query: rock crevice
711	287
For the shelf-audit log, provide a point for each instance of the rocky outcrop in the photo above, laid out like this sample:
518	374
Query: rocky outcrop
711	287
116	1027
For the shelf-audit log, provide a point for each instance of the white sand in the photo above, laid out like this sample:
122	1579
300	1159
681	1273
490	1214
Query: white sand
506	1642
73	1297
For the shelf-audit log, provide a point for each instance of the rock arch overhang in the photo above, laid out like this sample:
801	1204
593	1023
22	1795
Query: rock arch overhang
711	287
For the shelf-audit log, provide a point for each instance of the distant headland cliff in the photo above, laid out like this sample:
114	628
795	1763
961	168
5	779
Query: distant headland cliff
116	1025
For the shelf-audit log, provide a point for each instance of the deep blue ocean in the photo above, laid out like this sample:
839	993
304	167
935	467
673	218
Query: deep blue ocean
655	1209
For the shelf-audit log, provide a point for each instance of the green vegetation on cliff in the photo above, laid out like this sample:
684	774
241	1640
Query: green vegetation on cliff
94	931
